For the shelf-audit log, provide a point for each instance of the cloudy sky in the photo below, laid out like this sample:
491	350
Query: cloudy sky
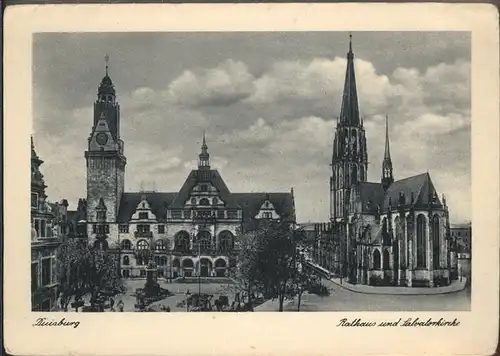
268	103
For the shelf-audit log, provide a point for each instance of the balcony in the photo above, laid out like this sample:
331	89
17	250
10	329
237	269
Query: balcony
143	234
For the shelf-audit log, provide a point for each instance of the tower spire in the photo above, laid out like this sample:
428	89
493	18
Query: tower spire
106	59
349	111
204	156
387	177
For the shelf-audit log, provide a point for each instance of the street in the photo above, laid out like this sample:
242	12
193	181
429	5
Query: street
341	299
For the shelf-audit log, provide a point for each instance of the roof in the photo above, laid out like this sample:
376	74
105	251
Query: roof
370	192
193	179
157	201
76	215
250	203
420	185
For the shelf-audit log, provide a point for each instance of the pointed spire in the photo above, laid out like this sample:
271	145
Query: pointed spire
204	157
387	177
349	112
387	154
106	59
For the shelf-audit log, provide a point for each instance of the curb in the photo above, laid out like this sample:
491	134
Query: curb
412	294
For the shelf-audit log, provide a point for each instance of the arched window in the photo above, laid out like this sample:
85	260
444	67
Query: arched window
126	245
397	225
101	245
421	241
187	263
386	260
182	242
376	259
163	260
436	246
126	260
204	241
157	260
176	263
226	241
204	202
193	201
142	245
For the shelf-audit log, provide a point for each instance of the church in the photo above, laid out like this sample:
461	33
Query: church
190	232
392	232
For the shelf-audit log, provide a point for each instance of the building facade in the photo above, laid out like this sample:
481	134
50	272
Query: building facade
380	233
189	232
47	232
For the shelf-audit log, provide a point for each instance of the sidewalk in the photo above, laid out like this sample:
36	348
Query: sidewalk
455	286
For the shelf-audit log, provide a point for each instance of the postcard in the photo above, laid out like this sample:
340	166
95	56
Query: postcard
266	178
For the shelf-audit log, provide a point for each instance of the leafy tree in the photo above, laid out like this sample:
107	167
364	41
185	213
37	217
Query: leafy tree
83	270
270	261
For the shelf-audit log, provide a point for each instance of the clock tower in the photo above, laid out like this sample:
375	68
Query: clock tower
105	159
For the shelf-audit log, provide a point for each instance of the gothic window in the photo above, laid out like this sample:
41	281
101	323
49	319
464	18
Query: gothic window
142	245
123	228
161	229
101	215
376	259
398	228
182	241
436	247
226	241
193	201
126	245
143	216
354	177
386	260
204	202
421	241
126	260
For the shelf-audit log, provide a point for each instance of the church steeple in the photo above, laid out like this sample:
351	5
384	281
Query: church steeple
387	177
204	157
349	112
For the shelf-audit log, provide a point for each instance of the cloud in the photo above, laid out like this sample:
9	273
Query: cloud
270	122
224	85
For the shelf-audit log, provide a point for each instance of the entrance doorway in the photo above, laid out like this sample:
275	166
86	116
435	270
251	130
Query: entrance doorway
205	267
126	273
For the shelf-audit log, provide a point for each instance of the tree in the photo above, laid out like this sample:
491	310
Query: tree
269	261
82	270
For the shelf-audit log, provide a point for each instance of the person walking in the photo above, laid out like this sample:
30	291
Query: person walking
120	305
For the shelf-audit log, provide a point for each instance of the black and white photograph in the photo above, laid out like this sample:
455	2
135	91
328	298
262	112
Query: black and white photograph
230	172
260	178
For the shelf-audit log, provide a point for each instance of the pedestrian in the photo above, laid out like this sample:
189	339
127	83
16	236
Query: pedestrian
168	309
111	303
120	305
232	306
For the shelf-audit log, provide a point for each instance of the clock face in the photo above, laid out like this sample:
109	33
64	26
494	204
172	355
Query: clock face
102	138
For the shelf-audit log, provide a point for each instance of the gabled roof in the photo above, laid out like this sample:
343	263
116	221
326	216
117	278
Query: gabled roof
251	203
157	201
192	180
420	185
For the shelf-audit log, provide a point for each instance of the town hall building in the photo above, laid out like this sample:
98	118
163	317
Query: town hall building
190	232
392	232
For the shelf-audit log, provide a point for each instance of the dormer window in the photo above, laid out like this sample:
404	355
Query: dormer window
143	216
204	188
101	215
193	201
215	201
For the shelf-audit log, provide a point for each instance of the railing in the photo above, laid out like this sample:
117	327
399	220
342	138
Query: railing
138	234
